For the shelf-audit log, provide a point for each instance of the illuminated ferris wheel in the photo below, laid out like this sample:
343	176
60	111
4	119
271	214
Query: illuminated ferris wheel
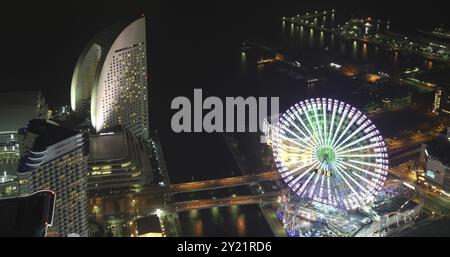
328	152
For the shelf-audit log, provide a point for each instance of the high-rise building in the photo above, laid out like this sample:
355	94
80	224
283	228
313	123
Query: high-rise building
118	162
16	109
441	102
109	83
9	185
440	83
54	158
436	160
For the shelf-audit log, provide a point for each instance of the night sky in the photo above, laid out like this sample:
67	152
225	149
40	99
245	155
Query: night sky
41	42
191	44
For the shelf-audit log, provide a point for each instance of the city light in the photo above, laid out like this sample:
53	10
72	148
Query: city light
329	152
364	152
409	185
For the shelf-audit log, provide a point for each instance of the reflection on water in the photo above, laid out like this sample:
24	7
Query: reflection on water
193	214
243	62
364	51
321	39
292	30
355	50
429	65
311	37
233	211
395	60
260	68
244	220
342	47
301	33
243	58
198	228
241	225
215	212
351	51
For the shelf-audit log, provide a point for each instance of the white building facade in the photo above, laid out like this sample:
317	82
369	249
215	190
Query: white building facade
110	80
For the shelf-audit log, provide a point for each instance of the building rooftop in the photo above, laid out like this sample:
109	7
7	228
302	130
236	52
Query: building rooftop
38	136
395	204
149	225
48	133
434	227
26	216
69	120
440	149
395	197
109	145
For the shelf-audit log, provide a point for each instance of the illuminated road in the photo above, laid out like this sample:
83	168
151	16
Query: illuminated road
209	203
206	184
224	182
237	200
404	155
408	141
134	202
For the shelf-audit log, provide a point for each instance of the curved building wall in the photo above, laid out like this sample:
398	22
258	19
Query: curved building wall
110	79
120	91
57	163
83	77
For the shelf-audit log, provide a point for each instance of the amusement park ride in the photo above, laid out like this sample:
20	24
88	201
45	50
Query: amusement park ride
334	163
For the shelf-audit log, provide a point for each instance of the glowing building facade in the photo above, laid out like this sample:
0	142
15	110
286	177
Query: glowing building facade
109	83
117	162
54	158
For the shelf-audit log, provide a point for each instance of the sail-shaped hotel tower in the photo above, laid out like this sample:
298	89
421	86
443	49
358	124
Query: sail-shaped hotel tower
109	84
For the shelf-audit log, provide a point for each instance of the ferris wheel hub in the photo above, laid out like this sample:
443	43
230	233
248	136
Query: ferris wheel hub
326	154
